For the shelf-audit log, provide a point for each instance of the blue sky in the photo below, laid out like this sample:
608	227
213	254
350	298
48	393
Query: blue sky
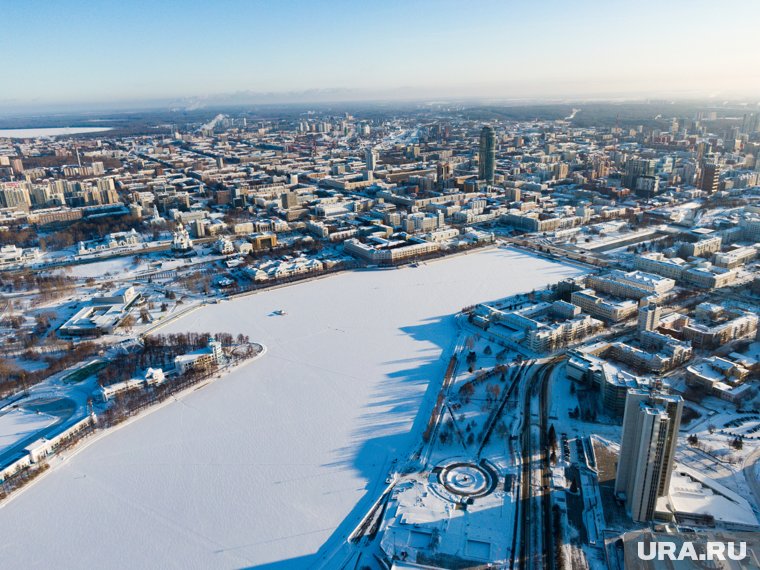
81	51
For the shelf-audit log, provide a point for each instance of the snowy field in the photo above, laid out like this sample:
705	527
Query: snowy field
265	466
115	267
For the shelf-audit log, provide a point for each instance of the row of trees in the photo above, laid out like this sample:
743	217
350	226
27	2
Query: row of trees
132	402
80	230
693	440
159	351
14	379
45	283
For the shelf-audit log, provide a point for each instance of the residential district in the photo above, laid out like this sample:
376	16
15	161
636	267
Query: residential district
570	418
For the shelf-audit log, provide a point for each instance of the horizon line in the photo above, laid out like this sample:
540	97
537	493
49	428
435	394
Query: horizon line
344	96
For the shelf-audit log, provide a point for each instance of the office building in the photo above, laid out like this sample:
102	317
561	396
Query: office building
487	155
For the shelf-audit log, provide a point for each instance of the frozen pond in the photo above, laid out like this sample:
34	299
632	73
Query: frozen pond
263	467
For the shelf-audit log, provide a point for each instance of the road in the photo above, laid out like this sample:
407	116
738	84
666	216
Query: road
751	474
533	516
556	252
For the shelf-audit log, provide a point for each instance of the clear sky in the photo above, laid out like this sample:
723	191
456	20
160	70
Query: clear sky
83	51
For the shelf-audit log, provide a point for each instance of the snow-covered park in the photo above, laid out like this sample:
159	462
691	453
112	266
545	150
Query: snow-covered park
270	463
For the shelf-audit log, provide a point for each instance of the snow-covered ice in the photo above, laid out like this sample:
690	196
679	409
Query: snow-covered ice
262	467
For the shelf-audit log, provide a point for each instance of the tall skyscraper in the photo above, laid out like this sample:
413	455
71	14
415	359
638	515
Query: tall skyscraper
751	123
710	177
650	433
487	155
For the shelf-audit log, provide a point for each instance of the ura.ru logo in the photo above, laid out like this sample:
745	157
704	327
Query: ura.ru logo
664	550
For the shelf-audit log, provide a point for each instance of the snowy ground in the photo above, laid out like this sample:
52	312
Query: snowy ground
113	267
263	467
18	424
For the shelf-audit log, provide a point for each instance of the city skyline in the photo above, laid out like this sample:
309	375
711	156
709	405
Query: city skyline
408	284
431	336
193	54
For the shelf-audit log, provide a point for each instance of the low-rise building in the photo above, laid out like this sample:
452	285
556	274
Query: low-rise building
735	257
613	383
102	315
382	250
118	240
656	352
721	377
658	264
10	254
201	359
702	247
631	285
709	276
285	269
715	326
547	327
608	309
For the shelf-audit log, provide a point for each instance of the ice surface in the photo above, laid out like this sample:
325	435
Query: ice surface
262	466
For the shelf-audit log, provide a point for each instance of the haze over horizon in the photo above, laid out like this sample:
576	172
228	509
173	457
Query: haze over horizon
79	54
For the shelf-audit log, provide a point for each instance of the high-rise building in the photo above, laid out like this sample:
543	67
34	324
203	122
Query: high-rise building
487	155
674	126
443	173
751	123
370	159
650	433
710	177
649	317
636	168
14	195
